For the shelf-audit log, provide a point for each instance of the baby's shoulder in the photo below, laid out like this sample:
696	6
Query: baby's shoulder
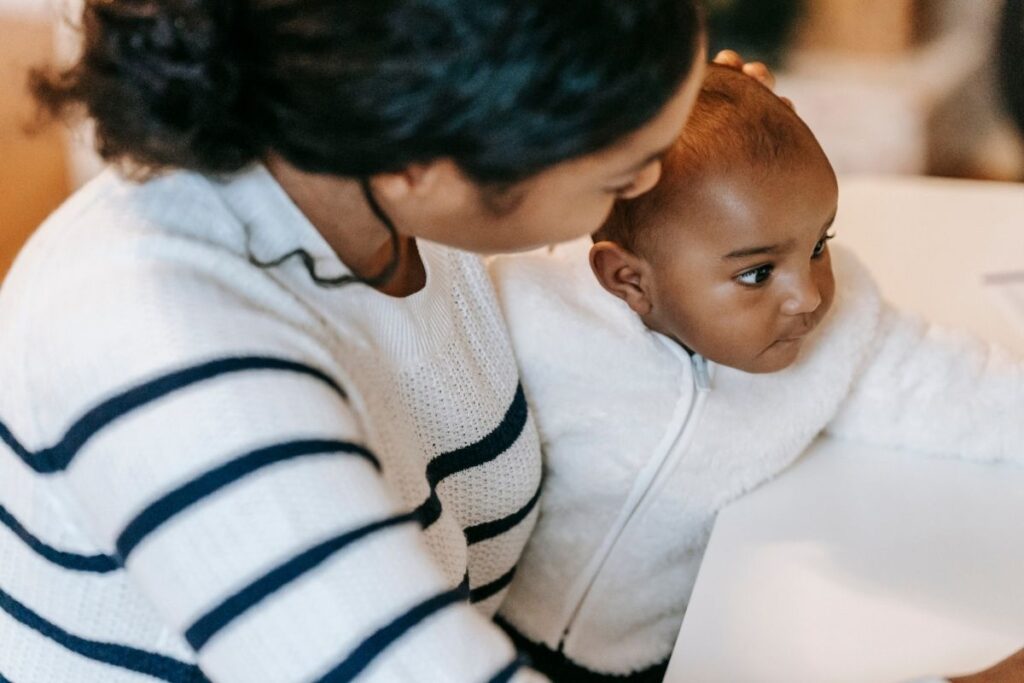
554	287
548	267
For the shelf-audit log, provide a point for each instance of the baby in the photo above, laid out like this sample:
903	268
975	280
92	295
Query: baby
735	334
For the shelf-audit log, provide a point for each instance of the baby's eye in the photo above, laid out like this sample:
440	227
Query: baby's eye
755	276
819	248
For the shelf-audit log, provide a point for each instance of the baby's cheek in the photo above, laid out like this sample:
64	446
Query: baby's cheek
826	282
828	293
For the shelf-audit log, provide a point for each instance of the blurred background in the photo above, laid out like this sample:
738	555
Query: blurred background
916	87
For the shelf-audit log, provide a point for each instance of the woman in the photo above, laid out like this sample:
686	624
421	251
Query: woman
258	423
1010	56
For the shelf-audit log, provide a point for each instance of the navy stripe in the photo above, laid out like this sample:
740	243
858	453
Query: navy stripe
509	671
13	444
481	593
171	504
429	511
58	457
482	532
369	649
557	667
99	564
207	626
487	448
473	455
152	664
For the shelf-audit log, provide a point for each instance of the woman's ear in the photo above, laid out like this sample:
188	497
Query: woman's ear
435	181
623	274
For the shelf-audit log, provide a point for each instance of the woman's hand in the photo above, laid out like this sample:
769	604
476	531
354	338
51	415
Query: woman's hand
1010	670
756	70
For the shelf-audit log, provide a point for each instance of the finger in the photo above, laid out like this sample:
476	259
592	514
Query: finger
729	58
762	73
788	102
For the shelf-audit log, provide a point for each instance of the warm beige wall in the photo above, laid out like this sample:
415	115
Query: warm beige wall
33	174
859	26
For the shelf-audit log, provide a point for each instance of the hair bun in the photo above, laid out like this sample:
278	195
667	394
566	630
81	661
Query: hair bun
163	75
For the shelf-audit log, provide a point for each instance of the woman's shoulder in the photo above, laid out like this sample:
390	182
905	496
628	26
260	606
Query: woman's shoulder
128	281
126	254
112	233
113	214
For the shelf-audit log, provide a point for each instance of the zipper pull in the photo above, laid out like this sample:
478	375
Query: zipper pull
701	372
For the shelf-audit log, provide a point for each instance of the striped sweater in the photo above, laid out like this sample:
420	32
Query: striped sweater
213	471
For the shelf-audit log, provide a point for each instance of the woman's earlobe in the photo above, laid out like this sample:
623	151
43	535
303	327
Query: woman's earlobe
392	186
436	189
416	180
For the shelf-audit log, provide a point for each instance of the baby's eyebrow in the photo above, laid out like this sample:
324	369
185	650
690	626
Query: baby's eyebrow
771	248
757	251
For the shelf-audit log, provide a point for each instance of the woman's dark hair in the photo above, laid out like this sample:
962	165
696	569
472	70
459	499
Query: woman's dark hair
1011	60
505	88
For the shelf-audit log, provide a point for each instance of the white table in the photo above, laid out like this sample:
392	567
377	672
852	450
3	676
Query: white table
930	242
860	567
863	565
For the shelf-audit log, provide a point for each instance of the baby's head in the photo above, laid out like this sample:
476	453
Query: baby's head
728	254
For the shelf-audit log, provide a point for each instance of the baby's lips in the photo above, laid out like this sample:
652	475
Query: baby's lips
800	332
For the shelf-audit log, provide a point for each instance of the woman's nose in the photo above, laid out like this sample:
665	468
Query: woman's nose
646	180
804	297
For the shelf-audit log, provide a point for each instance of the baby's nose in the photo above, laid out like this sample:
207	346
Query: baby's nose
804	298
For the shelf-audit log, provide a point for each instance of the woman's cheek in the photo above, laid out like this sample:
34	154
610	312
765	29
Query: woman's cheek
585	221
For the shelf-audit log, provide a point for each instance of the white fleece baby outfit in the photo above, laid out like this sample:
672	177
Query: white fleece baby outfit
644	444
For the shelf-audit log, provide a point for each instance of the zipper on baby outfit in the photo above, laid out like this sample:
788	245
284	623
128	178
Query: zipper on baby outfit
701	373
701	377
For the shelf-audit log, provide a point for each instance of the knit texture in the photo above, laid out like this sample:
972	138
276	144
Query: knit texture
213	471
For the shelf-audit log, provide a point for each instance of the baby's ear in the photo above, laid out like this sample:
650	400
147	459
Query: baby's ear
622	273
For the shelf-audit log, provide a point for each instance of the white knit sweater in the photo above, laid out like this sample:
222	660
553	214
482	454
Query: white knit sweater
643	446
213	471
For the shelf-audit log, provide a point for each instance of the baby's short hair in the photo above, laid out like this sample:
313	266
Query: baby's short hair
735	121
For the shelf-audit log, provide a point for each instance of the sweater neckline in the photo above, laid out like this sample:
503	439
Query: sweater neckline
413	326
